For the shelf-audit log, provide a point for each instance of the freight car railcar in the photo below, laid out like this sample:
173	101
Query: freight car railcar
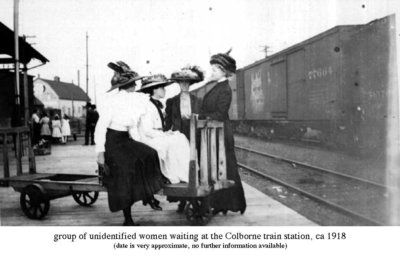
338	89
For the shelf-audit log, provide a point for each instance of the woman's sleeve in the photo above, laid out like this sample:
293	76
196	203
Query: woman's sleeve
101	129
223	102
168	115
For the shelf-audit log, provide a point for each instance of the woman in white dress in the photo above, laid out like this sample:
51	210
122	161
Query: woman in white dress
172	146
45	131
56	124
65	129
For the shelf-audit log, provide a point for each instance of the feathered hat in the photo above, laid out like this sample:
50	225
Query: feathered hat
154	81
123	75
225	60
192	74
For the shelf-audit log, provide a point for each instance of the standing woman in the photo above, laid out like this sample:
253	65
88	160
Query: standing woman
65	128
216	103
45	131
133	167
56	124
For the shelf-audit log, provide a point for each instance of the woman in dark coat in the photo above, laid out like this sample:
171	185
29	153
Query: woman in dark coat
215	106
134	171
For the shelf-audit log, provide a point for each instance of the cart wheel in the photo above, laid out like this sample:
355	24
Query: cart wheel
85	198
34	202
198	212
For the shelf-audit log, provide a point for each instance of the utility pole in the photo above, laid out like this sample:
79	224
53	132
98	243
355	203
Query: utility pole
94	88
79	79
266	50
87	64
16	58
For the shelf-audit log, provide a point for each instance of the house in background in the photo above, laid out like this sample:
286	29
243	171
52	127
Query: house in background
55	94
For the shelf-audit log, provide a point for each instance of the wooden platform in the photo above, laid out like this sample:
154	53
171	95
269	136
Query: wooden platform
261	210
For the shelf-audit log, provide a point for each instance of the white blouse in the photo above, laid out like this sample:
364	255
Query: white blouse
150	124
121	111
185	105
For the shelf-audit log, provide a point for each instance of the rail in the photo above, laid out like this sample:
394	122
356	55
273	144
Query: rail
18	135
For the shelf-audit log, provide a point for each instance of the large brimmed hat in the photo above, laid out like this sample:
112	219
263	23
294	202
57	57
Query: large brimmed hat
191	74
123	75
154	81
225	60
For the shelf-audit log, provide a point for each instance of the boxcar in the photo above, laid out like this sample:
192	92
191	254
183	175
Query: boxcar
331	89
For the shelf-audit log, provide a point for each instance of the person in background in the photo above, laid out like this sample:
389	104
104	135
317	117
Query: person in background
133	167
180	108
56	125
215	106
65	129
91	120
45	131
35	121
95	117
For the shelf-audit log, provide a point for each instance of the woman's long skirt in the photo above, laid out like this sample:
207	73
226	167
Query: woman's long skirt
231	199
134	170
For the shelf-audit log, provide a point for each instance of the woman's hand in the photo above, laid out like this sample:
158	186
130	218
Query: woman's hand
100	158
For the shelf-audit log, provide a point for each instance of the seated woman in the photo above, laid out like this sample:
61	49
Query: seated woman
172	147
134	170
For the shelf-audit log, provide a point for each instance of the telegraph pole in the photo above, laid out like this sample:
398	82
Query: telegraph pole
16	58
79	79
94	85
266	50
87	64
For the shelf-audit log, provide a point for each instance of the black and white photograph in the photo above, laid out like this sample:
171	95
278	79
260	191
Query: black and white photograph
215	113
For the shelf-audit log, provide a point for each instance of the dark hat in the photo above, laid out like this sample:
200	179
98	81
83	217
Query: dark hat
88	104
123	75
192	74
154	81
223	59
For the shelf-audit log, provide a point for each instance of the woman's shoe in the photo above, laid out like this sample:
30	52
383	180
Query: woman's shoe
181	207
129	222
215	211
154	204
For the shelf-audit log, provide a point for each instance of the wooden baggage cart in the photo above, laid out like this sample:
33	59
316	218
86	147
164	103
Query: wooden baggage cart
212	175
38	189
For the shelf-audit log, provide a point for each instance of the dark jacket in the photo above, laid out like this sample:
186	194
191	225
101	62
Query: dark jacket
216	103
173	119
92	117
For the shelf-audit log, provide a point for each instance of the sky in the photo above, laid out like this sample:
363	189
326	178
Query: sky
162	36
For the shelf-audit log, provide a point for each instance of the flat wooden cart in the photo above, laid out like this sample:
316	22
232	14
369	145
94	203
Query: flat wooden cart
38	189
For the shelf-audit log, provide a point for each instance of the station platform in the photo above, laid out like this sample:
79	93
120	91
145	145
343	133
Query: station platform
261	209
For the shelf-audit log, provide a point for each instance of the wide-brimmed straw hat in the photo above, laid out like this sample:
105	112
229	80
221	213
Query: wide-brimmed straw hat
225	60
154	81
191	74
123	75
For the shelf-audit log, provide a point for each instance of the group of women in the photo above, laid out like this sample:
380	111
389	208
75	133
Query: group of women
141	149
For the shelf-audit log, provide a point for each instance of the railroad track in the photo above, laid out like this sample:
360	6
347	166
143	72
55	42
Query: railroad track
358	198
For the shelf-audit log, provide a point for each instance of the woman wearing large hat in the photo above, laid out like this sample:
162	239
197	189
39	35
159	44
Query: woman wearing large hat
172	147
179	108
215	106
134	171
